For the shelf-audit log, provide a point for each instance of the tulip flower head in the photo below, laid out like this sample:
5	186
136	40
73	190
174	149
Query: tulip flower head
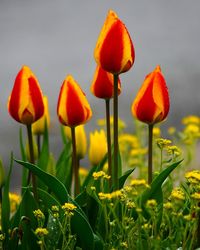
98	146
73	108
81	140
114	50
151	104
102	85
25	103
38	127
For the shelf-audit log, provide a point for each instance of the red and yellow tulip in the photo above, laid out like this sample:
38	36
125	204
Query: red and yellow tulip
151	104
25	103
114	50
102	85
73	108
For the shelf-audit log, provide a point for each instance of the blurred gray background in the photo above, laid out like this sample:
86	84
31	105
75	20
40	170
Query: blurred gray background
56	38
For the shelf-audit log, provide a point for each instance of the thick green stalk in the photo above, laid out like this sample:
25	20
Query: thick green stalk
115	110
109	139
32	160
75	163
39	144
150	155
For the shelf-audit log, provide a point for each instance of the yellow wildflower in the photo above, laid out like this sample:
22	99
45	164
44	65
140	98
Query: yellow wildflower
130	204
138	151
146	226
2	237
83	172
171	130
168	205
118	194
100	174
138	182
192	129
178	194
124	245
196	196
41	232
129	139
104	196
173	150
156	132
187	217
162	143
193	177
81	140
151	203
98	146
69	207
191	119
38	214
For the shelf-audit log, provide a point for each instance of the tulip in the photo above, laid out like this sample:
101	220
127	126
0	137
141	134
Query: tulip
151	104
114	50
81	140
73	108
102	85
25	104
115	53
38	127
98	146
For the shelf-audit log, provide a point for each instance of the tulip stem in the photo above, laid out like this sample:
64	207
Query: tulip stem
150	154
108	139
38	144
75	164
115	110
32	160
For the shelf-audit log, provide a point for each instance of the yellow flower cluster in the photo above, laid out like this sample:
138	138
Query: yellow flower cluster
196	196
168	205
193	177
100	174
138	151
139	182
177	194
55	210
118	194
151	203
38	214
162	143
69	208
2	237
41	232
191	119
173	150
156	132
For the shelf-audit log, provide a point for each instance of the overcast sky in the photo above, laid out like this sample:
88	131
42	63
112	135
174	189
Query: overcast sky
56	38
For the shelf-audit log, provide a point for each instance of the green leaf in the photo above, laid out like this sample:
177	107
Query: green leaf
124	177
64	167
5	211
155	191
51	182
80	224
44	154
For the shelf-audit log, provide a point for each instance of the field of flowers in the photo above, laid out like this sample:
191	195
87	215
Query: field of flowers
141	190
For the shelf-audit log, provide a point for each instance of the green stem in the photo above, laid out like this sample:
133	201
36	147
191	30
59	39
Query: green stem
115	109
32	160
150	168
38	144
109	139
75	163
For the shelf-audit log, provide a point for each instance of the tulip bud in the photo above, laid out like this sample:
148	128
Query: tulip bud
81	141
38	127
151	104
25	103
73	108
98	146
102	85
114	50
